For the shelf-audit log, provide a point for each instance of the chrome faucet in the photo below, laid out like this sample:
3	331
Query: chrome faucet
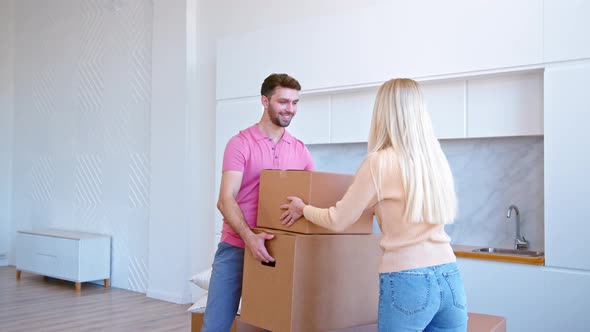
519	242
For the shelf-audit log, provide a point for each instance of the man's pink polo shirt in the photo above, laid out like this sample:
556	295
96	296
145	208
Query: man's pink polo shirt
250	152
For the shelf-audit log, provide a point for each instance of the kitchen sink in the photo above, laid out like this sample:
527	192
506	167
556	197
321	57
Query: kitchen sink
517	252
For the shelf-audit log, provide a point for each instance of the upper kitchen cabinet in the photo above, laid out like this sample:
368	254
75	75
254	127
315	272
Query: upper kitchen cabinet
566	28
311	124
567	184
351	116
505	105
318	52
385	39
445	102
429	38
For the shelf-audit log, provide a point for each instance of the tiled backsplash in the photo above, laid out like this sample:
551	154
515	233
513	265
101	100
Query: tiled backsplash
490	174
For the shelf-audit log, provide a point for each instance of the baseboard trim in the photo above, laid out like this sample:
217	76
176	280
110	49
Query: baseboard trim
170	297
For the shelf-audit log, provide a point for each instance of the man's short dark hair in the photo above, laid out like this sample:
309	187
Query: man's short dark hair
274	80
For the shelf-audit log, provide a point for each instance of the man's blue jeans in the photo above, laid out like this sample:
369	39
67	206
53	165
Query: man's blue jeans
425	299
225	288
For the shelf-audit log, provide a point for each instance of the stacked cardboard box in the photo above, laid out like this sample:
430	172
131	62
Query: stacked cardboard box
320	280
476	323
237	326
319	189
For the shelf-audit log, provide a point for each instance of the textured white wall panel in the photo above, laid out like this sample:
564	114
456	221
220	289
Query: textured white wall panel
6	124
43	174
82	116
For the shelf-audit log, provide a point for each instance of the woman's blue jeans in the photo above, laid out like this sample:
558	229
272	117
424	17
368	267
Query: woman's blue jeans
425	299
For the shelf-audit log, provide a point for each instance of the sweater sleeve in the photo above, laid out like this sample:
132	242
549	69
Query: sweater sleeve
360	195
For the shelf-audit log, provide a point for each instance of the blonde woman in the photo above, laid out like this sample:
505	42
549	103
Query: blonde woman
406	179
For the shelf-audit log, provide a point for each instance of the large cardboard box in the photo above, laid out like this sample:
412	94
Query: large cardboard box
486	323
321	189
237	326
362	328
317	282
240	326
476	323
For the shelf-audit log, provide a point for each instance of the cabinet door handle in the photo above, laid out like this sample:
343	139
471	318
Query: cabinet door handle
46	255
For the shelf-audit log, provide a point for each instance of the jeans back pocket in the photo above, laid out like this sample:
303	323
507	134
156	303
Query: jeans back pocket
410	291
455	283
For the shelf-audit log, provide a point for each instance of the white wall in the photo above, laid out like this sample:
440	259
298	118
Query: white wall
168	222
6	123
82	124
113	127
181	222
202	143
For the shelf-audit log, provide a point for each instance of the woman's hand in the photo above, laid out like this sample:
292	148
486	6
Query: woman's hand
294	210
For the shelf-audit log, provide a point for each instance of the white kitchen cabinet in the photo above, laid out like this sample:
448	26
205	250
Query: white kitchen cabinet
505	105
311	124
567	156
528	295
485	106
452	37
382	40
566	27
73	256
351	116
445	102
352	111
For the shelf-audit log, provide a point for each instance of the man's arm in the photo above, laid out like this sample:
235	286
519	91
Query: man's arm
231	182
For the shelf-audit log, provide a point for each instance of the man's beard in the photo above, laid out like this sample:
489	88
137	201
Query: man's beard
275	118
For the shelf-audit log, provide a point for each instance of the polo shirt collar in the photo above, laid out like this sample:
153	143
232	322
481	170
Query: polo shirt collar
258	134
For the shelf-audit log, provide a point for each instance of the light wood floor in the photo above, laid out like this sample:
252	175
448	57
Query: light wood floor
35	303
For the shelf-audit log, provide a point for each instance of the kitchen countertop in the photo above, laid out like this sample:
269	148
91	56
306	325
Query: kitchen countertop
465	251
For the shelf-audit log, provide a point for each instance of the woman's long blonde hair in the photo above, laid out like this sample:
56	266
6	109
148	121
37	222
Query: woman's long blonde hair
401	129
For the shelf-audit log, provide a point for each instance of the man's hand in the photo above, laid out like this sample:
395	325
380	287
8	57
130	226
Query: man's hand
294	210
256	244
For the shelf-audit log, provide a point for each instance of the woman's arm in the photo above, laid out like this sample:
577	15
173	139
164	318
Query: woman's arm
360	195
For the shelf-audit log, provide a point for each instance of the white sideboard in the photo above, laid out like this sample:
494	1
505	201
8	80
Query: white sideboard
73	256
